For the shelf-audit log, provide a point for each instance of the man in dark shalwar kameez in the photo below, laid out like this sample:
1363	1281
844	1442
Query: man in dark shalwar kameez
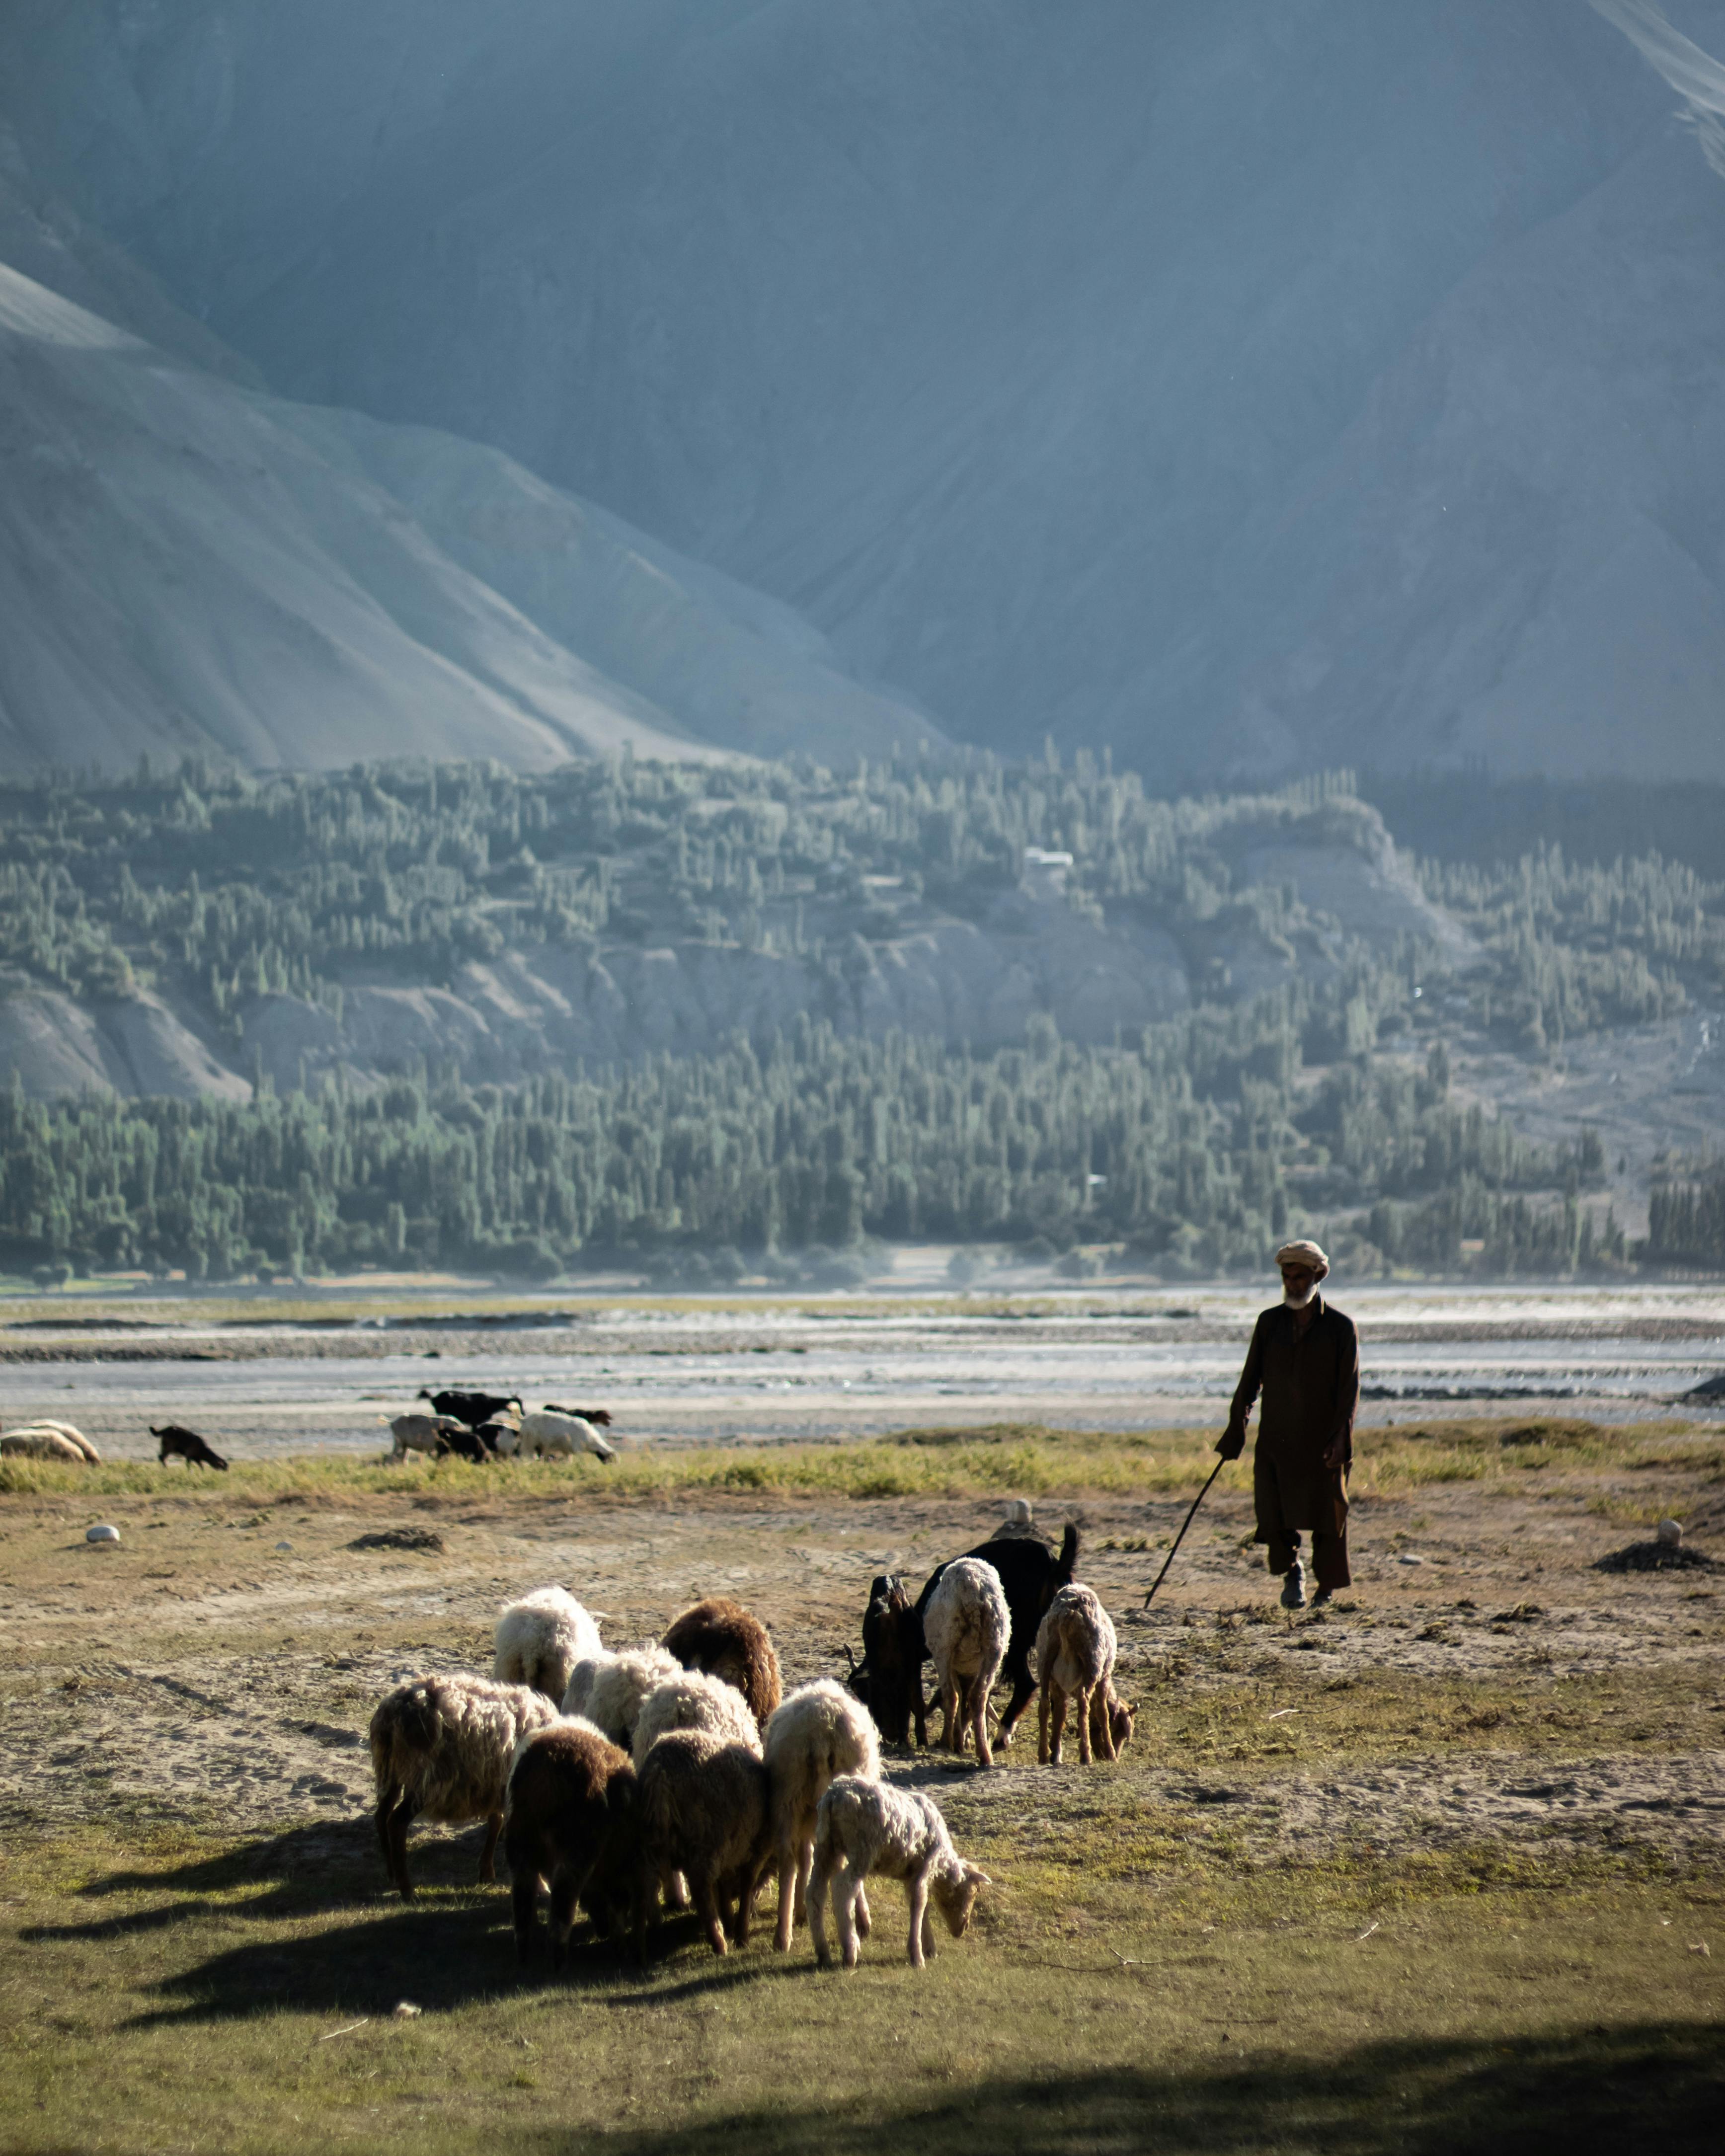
1304	1359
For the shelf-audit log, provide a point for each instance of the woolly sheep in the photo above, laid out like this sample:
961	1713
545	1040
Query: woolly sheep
561	1436
692	1700
1019	1524
817	1732
703	1809
1076	1648
570	1819
38	1444
609	1689
442	1747
968	1625
69	1431
864	1826
540	1639
721	1637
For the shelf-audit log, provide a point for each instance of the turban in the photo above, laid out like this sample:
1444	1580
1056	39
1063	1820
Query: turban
1303	1253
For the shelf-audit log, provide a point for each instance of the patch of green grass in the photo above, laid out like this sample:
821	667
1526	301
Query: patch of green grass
1126	1984
1022	1458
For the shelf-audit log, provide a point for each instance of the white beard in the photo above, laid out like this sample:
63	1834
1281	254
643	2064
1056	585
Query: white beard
1299	1301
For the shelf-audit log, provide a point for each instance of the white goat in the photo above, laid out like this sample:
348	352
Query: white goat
38	1443
968	1625
555	1437
817	1732
442	1747
1075	1650
692	1700
864	1826
420	1433
540	1639
609	1689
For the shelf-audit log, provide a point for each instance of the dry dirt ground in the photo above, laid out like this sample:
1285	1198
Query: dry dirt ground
1484	1679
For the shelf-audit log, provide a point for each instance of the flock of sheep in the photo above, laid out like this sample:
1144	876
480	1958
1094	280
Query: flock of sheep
628	1783
634	1781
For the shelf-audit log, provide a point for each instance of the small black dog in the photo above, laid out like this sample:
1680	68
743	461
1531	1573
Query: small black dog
178	1444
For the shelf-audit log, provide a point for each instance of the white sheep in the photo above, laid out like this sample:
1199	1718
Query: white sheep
864	1826
1019	1524
540	1639
37	1443
968	1625
1075	1650
692	1700
443	1747
817	1732
609	1689
555	1437
69	1431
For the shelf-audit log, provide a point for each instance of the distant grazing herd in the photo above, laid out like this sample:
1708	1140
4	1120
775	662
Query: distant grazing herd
633	1782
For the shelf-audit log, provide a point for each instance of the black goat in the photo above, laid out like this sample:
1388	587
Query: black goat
474	1445
1032	1575
601	1416
888	1679
471	1408
179	1444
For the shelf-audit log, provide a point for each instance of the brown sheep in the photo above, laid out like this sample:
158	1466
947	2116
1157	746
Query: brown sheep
703	1808
570	1821
730	1642
442	1745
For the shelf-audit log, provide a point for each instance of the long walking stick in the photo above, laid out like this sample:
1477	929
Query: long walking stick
1184	1524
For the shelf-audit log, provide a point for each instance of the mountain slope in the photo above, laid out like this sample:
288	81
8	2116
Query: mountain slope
186	565
1104	368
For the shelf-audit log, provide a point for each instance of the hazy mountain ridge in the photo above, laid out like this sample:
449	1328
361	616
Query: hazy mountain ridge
1244	385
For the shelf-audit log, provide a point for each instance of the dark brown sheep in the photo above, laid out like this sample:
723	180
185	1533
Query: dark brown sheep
572	1821
703	1812
731	1643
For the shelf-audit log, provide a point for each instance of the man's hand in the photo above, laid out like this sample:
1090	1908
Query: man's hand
1231	1443
1336	1453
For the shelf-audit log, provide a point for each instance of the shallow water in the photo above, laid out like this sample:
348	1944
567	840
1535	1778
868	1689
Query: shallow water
812	1369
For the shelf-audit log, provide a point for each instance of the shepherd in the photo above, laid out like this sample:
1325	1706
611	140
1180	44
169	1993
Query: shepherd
1304	1360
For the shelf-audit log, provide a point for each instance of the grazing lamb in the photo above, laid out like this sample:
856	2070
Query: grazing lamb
600	1417
703	1812
471	1408
817	1732
864	1826
179	1442
728	1641
968	1625
609	1689
35	1442
540	1639
562	1436
442	1745
693	1699
888	1679
1076	1648
570	1819
1032	1575
419	1433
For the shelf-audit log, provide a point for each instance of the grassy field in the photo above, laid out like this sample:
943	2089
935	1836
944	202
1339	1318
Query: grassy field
1437	1870
1015	1457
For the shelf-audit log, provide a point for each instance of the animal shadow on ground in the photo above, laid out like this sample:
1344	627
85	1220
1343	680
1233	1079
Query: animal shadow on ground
325	1864
439	1956
1557	2096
